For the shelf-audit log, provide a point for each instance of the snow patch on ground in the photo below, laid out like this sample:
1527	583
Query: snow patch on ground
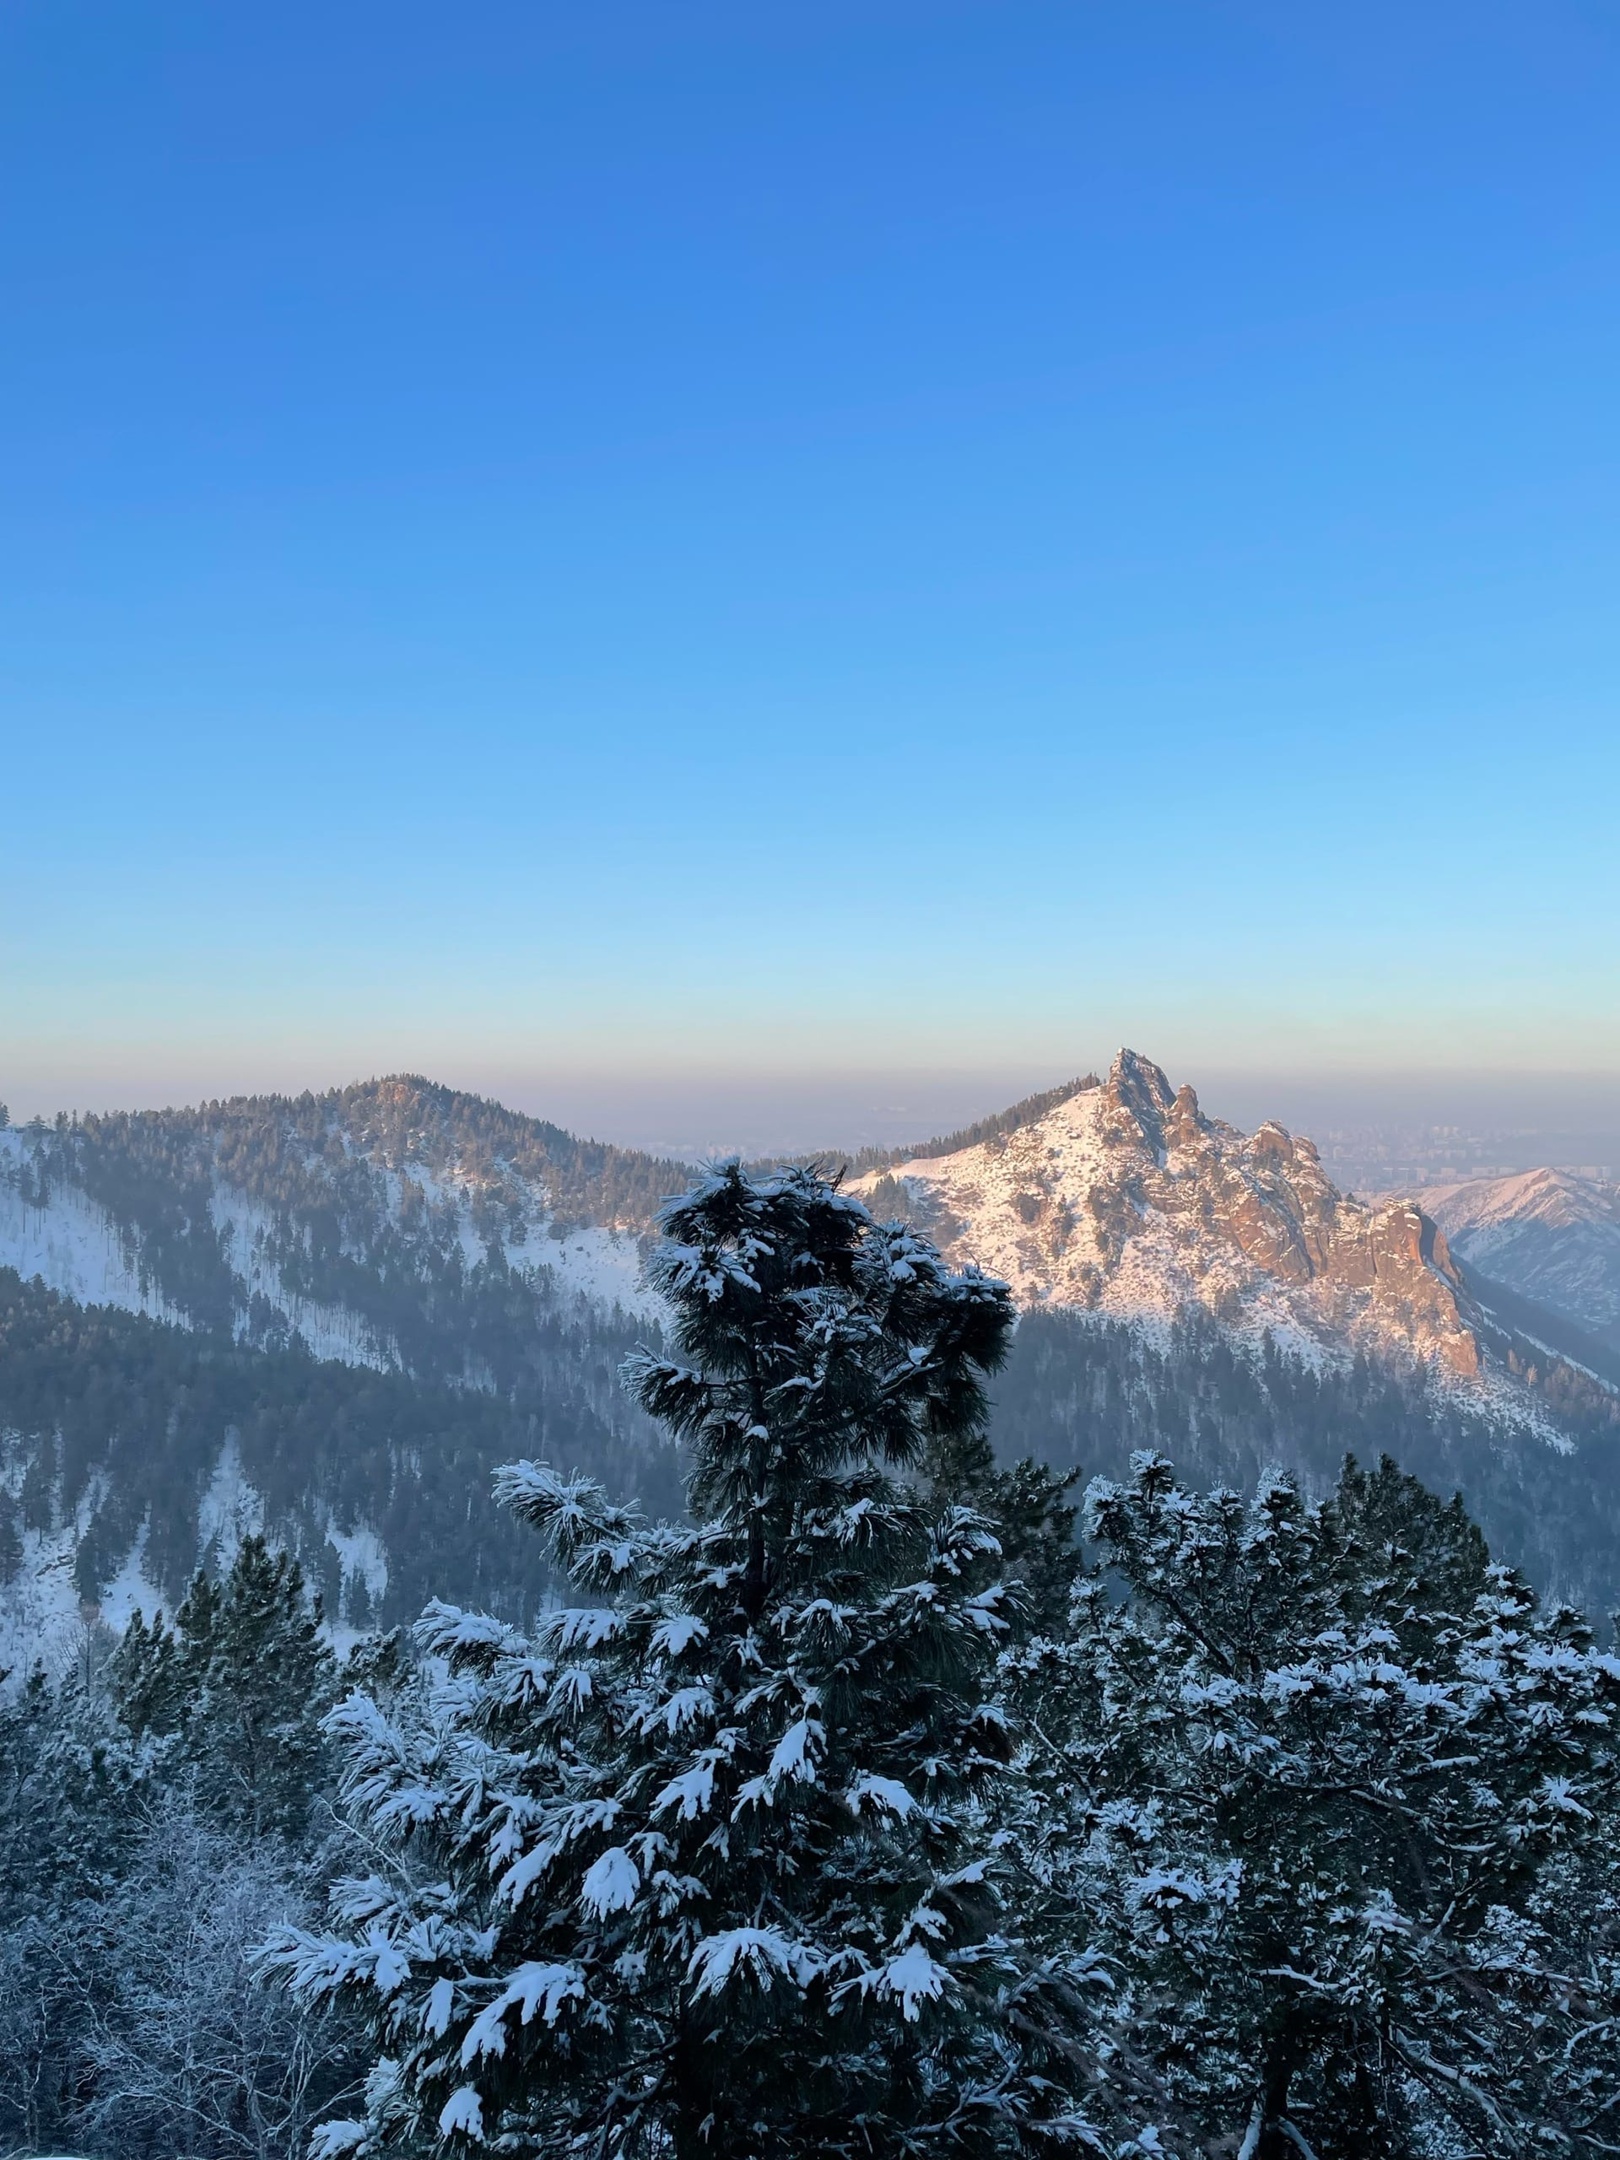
231	1509
601	1266
131	1591
71	1244
361	1555
330	1331
43	1620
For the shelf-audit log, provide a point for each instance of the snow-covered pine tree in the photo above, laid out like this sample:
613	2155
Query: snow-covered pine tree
1307	1788
238	1686
701	1866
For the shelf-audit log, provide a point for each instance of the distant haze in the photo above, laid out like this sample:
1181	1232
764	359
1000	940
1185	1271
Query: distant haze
1381	1131
1503	1120
1375	1130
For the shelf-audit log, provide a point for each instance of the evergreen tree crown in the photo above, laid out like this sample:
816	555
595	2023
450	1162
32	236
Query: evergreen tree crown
712	1869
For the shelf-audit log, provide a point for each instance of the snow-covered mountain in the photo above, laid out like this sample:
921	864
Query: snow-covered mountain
405	1227
342	1311
1124	1200
315	1219
333	1315
1548	1234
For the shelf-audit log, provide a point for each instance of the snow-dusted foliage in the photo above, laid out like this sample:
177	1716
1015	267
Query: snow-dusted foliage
186	2048
1330	1793
703	1864
151	1806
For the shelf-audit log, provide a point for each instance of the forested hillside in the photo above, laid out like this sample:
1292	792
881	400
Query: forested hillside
117	1425
1083	1393
339	1312
116	1428
420	1223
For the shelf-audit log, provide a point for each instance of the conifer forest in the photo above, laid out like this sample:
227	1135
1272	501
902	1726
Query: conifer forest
883	1795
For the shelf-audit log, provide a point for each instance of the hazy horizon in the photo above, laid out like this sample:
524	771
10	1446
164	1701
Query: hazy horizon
1568	1119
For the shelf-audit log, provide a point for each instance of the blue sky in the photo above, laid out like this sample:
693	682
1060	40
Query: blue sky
649	542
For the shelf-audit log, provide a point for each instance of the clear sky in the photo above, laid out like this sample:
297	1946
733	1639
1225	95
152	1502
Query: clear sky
542	542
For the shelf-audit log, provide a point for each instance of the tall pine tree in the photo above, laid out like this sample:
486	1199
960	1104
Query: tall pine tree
702	1866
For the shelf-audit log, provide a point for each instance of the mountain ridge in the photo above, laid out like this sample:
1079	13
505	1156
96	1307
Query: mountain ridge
1551	1235
343	1309
264	1216
1127	1200
380	1222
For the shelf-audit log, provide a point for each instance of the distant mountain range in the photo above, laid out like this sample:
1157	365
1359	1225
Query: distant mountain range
1550	1235
333	1314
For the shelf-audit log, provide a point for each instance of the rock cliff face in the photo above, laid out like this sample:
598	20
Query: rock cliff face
1127	1200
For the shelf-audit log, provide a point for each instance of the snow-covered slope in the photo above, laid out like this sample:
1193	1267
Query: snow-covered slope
307	1217
1127	1201
477	1272
1548	1234
42	1614
67	1240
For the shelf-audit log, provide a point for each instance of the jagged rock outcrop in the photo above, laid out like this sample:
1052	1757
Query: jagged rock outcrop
1127	1200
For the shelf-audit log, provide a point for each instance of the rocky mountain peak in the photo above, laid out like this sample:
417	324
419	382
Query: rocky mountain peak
1185	1116
1127	1200
1139	1087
